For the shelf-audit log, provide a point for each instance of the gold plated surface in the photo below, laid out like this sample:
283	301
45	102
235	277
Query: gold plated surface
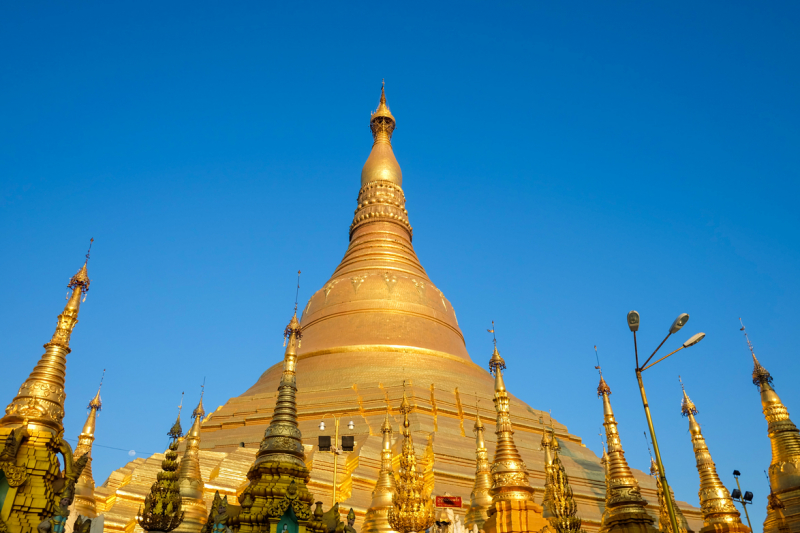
377	518
719	513
412	507
664	523
561	506
625	507
480	499
190	479
84	503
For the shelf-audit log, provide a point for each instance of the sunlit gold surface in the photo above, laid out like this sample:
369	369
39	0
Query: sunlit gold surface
190	479
379	320
376	520
84	504
664	523
625	507
562	509
480	499
719	513
32	427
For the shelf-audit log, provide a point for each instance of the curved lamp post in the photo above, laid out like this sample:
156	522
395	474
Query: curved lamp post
335	449
633	324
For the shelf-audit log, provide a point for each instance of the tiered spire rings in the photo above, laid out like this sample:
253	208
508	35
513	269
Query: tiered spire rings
625	507
719	513
190	481
412	509
85	504
377	518
480	499
162	510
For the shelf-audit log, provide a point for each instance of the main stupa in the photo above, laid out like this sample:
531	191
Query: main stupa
377	327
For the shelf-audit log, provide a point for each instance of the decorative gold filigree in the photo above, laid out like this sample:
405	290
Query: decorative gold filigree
162	509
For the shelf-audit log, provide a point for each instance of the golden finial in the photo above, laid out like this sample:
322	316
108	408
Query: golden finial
176	431
760	374
81	279
496	362
382	123
687	405
603	387
96	403
199	411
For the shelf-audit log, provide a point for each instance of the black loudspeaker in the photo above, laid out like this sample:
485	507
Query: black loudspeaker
348	442
324	443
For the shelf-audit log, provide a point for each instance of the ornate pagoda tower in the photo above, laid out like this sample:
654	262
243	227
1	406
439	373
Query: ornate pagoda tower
84	503
190	481
783	510
377	321
625	507
377	520
480	499
32	430
719	513
664	523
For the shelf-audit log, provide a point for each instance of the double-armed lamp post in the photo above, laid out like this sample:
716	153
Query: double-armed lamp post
325	446
745	499
633	324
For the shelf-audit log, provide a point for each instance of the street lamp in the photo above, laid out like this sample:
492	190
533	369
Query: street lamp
633	325
745	500
324	443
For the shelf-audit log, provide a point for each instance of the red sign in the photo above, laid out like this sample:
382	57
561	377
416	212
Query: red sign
448	501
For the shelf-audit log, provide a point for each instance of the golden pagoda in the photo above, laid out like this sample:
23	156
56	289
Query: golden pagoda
412	508
664	523
378	320
783	510
84	503
190	481
625	507
276	498
560	503
480	499
162	509
32	433
377	519
719	513
513	509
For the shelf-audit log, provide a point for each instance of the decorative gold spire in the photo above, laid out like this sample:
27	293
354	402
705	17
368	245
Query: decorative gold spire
509	473
190	481
381	164
162	507
480	499
563	511
39	404
84	503
624	502
547	448
412	509
664	523
784	470
715	500
282	438
377	518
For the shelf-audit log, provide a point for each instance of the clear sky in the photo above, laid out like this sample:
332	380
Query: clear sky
563	162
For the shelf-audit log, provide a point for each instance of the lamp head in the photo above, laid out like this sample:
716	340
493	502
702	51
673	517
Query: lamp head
681	321
633	320
736	494
736	473
748	496
322	426
350	425
694	339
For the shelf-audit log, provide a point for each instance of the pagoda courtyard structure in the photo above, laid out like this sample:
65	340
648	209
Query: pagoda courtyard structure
379	321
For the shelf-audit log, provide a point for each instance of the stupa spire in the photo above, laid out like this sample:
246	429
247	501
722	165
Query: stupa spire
412	509
624	502
162	510
381	164
563	511
85	503
377	517
480	499
190	480
664	522
39	404
719	513
784	473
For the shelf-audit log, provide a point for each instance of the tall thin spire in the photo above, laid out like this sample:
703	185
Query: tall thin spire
162	509
377	517
664	522
190	480
412	509
39	404
563	511
719	512
85	503
480	499
784	474
624	502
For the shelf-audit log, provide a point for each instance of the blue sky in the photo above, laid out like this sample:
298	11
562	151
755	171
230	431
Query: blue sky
563	163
